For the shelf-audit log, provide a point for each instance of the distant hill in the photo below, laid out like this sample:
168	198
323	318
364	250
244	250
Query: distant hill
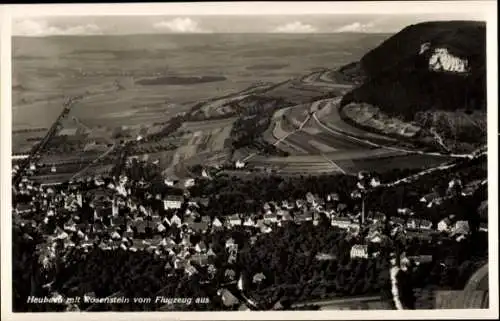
396	75
425	67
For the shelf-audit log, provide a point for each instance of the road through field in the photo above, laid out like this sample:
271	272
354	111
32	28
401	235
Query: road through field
322	79
331	129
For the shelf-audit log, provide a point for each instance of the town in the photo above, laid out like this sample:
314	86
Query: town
285	172
173	221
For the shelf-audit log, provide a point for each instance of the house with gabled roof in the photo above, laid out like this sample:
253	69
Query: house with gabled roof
271	218
175	220
264	228
167	242
284	215
249	222
116	236
165	221
200	247
210	252
234	220
425	225
217	223
375	237
70	225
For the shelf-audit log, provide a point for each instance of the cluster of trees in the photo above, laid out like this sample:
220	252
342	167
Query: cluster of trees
292	273
153	147
452	126
452	265
143	171
173	125
29	130
248	129
24	267
291	270
233	194
291	267
389	199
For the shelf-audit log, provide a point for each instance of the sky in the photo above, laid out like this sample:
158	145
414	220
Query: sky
110	25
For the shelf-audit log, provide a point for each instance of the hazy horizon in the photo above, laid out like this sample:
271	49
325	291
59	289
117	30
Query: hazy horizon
221	24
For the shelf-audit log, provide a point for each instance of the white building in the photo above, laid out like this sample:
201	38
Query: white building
444	225
249	222
359	251
173	202
239	164
341	222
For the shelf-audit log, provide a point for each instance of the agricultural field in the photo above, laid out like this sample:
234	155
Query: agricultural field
381	164
131	93
107	69
330	117
22	142
203	142
311	138
323	142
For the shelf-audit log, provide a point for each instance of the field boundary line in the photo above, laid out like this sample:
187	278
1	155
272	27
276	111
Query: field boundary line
386	147
333	163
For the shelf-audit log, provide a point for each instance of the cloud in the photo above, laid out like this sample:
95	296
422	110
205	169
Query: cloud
295	27
357	27
180	25
43	28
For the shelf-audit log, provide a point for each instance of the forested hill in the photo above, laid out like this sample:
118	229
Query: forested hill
427	66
